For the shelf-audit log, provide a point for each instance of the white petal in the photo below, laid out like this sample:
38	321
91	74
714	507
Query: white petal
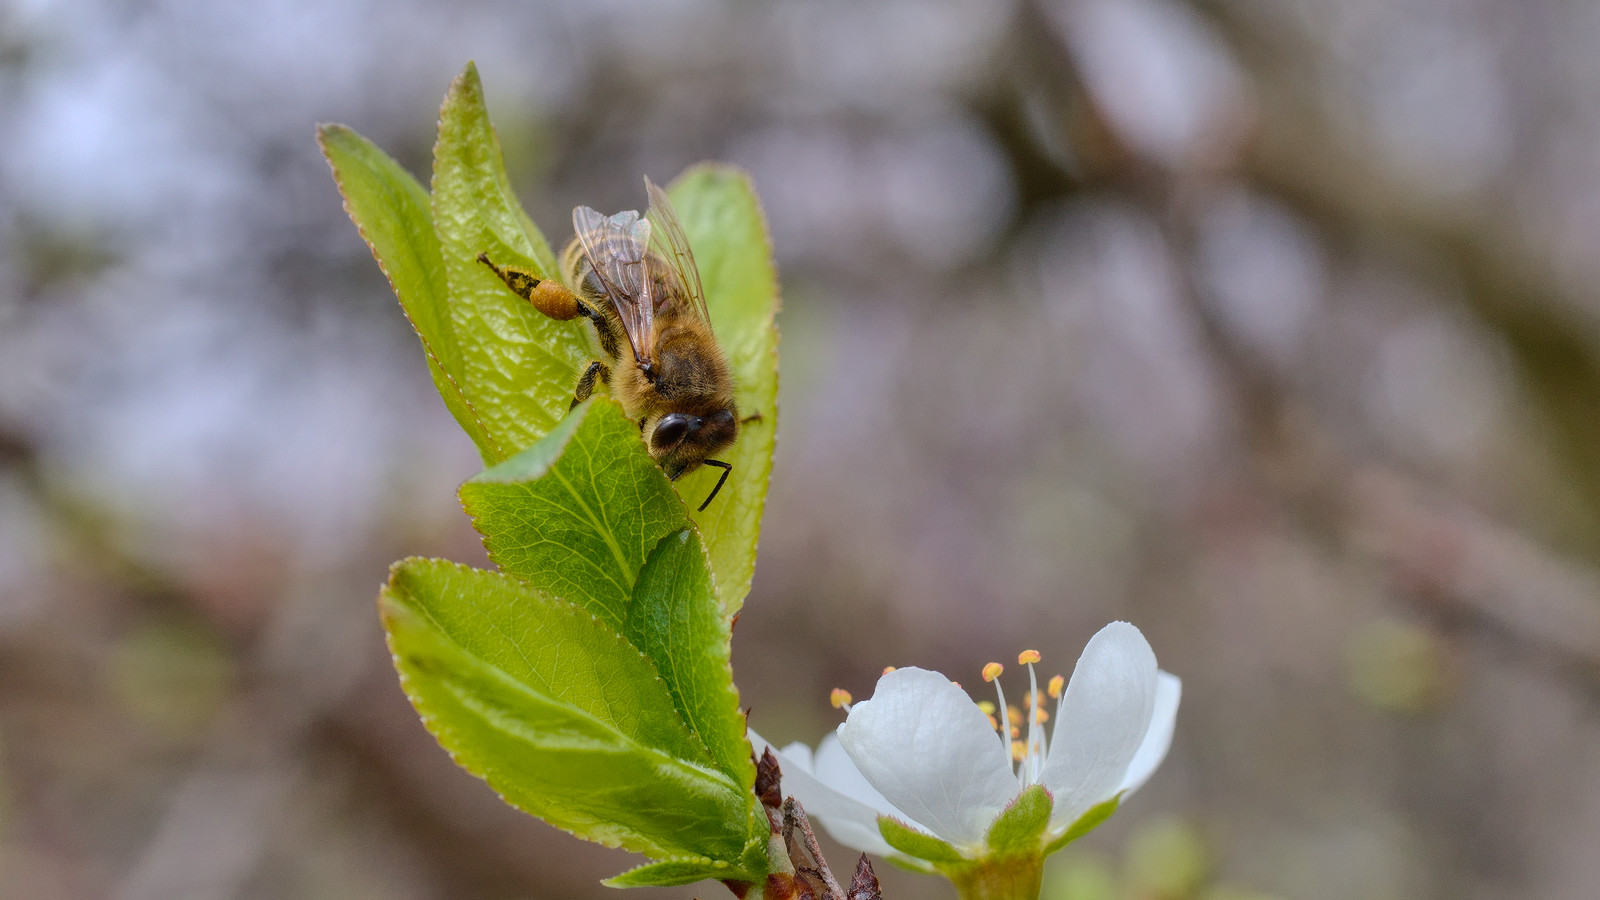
1169	690
845	818
796	752
837	770
929	750
1101	722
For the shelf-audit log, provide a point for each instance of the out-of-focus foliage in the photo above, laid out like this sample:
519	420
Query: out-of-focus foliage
1266	326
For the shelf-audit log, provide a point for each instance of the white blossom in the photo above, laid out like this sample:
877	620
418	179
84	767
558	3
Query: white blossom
920	750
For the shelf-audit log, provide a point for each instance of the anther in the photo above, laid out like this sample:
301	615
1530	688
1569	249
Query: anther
888	669
991	671
1056	684
840	698
1018	751
1028	657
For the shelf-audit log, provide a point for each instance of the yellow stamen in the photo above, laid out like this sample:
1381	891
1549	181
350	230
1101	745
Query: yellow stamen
840	698
1014	715
987	706
992	671
888	669
994	723
1041	715
1028	656
1015	732
1056	684
1018	751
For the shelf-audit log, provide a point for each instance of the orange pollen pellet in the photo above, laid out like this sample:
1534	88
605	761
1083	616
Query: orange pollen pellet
1056	684
1018	751
992	671
840	698
1028	656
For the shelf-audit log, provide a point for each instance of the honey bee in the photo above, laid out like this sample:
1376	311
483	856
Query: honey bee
635	280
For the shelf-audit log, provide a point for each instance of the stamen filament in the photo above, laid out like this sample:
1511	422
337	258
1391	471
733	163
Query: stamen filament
991	672
1036	750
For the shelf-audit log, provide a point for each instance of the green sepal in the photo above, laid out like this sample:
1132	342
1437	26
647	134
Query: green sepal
1086	823
908	864
727	231
391	211
578	512
1019	827
520	365
918	844
560	715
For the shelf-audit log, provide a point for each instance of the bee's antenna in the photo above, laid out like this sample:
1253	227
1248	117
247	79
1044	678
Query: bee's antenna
726	468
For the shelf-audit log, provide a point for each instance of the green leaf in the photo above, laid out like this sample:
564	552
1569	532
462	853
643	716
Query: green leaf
727	232
1017	829
675	622
918	844
586	515
577	513
520	366
1086	823
560	715
391	211
672	872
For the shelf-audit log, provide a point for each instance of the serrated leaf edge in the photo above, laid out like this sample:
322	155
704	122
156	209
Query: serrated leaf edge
427	719
427	346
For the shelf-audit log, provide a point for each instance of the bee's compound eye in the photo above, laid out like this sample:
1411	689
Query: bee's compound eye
670	430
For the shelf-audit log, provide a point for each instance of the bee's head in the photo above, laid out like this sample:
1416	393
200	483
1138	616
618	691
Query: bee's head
680	442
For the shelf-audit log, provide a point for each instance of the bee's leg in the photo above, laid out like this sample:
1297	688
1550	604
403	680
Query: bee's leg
726	468
554	300
597	369
606	329
547	295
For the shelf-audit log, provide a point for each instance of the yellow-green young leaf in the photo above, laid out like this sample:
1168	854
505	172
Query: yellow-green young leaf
564	718
586	515
577	513
672	872
1016	831
917	844
520	365
1086	823
727	232
674	619
391	211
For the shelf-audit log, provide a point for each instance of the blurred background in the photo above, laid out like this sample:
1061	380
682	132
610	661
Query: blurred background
1272	326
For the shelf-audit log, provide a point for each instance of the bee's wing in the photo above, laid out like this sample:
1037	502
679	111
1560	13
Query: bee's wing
673	246
616	247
